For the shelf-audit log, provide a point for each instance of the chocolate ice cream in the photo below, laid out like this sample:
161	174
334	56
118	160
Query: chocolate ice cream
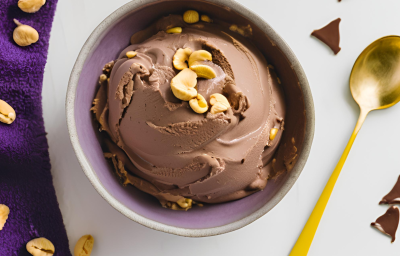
161	145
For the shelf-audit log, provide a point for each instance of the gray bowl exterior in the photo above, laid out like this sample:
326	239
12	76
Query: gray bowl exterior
103	45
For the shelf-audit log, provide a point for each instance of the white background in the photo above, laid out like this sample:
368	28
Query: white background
370	172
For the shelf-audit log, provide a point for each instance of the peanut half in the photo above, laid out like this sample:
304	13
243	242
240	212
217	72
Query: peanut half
7	113
24	35
30	6
183	84
131	54
180	58
40	247
219	103
102	78
191	16
185	202
203	71
273	133
233	27
4	212
200	55
175	30
205	18
84	246
199	105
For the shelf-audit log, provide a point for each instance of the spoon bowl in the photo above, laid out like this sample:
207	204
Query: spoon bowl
375	78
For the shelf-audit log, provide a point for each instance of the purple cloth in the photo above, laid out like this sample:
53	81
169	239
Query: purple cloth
26	185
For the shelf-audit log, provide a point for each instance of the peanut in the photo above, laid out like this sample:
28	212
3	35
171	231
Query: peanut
24	35
180	58
183	84
84	246
191	16
7	113
203	71
175	30
273	133
40	247
30	6
198	104
131	54
198	56
4	212
219	103
205	18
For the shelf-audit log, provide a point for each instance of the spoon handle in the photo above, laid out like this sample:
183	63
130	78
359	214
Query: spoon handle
307	235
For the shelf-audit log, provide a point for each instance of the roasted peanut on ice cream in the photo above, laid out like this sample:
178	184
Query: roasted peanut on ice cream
183	85
199	104
181	56
191	16
219	103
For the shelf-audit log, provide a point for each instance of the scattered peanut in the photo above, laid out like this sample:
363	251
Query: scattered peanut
219	103
205	18
131	54
273	133
191	16
24	35
203	71
40	247
175	30
84	246
30	6
198	104
7	113
4	211
200	55
183	84
180	58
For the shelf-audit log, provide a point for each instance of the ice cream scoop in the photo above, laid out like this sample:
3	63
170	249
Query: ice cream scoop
198	131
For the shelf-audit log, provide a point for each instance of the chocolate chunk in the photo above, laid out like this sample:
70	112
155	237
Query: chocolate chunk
393	197
388	222
329	35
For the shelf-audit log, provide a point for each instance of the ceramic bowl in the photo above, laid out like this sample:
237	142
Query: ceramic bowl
104	44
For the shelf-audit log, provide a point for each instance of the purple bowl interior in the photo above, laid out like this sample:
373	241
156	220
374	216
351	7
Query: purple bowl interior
108	47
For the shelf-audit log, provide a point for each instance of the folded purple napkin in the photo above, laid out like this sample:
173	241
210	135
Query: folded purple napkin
26	185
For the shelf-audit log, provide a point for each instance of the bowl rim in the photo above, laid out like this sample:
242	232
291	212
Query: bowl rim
90	173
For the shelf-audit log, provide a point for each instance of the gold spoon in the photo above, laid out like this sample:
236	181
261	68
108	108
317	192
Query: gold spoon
374	84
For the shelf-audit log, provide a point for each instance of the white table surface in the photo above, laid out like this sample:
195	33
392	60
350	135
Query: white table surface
370	172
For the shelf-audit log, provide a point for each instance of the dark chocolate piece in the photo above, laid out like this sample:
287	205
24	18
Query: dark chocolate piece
329	35
388	222
393	197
